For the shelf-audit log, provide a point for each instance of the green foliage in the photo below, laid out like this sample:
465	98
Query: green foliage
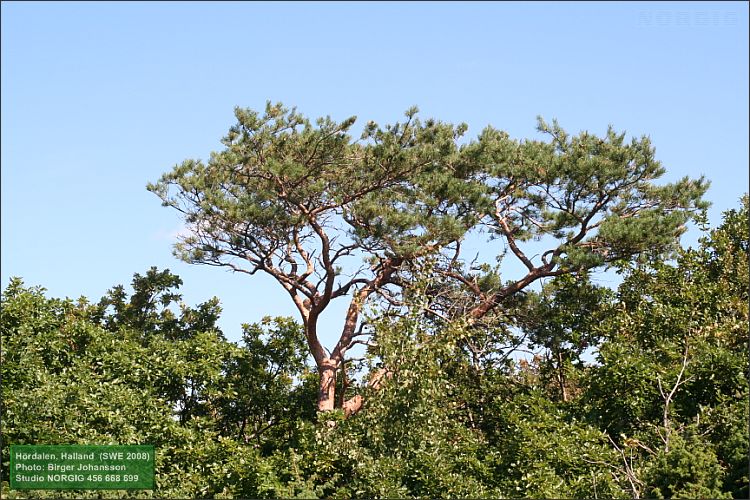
407	441
727	428
69	380
148	308
595	195
675	359
690	469
539	451
284	188
279	173
257	394
563	320
449	409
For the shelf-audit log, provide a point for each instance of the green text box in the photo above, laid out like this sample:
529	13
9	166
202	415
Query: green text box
75	467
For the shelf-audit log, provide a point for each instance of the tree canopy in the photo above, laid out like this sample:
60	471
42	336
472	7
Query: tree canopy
332	217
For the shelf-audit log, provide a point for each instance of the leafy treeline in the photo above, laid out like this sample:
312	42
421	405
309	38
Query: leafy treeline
640	392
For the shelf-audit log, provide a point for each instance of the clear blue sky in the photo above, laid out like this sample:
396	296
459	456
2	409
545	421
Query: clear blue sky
100	98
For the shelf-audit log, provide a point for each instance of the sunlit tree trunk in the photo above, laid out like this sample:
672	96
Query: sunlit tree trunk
327	385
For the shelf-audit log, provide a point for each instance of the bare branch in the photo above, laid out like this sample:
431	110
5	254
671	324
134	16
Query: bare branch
668	398
635	483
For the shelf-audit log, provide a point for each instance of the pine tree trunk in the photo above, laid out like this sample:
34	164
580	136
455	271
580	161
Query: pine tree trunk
327	387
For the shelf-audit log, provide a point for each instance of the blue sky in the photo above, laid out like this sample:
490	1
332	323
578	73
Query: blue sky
100	98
